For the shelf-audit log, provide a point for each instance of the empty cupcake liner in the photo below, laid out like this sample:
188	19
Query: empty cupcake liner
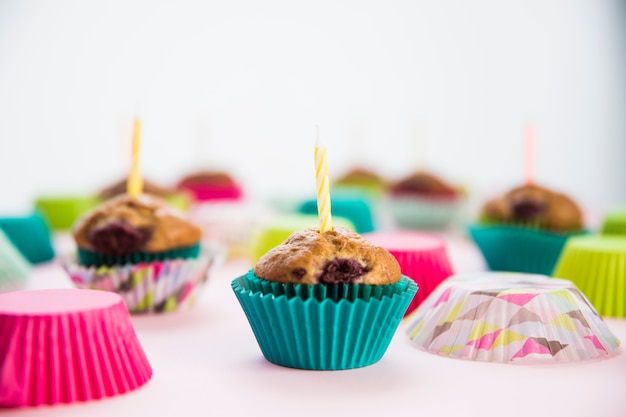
61	212
415	212
62	346
518	249
422	257
30	235
614	223
159	286
510	318
14	268
597	265
301	328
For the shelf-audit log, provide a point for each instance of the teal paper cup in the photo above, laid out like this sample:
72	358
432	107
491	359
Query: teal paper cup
323	327
518	249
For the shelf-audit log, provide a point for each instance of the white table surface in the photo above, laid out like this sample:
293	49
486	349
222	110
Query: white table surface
206	362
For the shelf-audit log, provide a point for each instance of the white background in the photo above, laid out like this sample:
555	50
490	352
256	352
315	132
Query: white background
241	84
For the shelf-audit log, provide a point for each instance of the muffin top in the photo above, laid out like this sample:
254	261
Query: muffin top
423	183
124	225
120	187
215	178
536	205
333	257
360	175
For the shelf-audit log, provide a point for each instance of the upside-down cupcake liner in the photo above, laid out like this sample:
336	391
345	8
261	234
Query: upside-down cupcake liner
300	327
14	268
597	265
63	346
510	318
30	235
517	248
62	211
158	286
422	257
416	212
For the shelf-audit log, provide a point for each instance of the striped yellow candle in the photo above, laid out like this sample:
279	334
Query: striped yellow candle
134	186
323	186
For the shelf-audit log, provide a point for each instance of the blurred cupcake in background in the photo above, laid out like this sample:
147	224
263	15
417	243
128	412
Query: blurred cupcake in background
209	185
525	229
362	180
180	200
422	200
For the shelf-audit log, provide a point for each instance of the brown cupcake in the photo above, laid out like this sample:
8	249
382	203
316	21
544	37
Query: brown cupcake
422	183
333	257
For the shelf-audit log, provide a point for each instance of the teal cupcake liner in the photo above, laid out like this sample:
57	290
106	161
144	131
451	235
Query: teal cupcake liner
14	268
423	212
91	258
30	234
519	249
314	328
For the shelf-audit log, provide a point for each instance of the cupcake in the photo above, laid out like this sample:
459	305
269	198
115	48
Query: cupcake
510	318
211	185
424	201
178	199
143	249
363	180
324	301
525	229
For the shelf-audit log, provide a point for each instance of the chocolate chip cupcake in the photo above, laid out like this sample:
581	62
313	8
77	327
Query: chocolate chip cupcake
525	229
423	200
324	301
143	249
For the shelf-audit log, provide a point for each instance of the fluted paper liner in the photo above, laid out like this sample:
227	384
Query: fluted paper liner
614	222
158	286
14	268
422	257
597	265
518	249
306	327
62	346
30	235
417	212
510	317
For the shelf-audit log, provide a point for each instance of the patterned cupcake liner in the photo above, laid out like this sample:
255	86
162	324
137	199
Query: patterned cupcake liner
158	286
62	346
519	249
415	212
91	258
300	328
597	265
510	317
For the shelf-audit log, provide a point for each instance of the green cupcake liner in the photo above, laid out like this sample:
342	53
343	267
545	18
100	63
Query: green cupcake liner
30	235
91	258
61	212
614	223
597	266
322	333
519	249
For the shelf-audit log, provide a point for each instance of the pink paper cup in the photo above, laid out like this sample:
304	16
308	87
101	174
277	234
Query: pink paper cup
63	346
422	257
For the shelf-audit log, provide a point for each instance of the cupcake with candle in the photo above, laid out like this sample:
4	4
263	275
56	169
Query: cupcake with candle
525	229
140	247
325	298
423	200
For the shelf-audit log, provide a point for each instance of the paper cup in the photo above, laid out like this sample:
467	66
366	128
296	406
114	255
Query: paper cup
30	235
614	223
61	212
423	213
159	286
62	346
597	265
312	327
510	318
14	268
518	249
422	257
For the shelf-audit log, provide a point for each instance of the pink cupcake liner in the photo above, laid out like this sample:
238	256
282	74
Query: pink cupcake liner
63	346
158	286
210	192
422	257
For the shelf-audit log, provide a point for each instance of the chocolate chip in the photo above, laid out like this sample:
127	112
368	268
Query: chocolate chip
338	271
299	273
118	238
528	209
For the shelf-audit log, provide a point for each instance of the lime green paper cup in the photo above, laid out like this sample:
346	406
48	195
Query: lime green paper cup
614	223
62	211
597	265
322	327
517	248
